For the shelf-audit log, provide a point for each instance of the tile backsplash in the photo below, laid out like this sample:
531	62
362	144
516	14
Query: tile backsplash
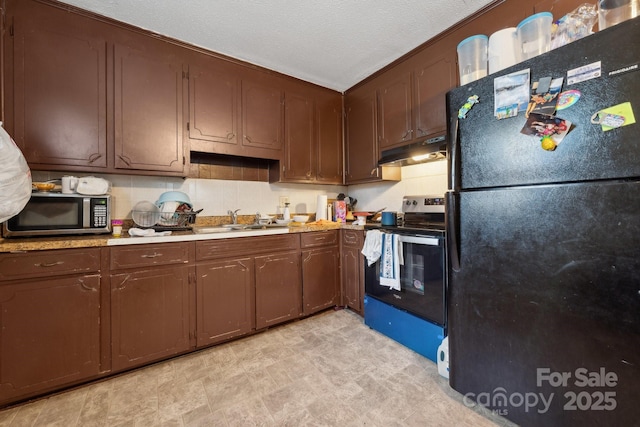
216	197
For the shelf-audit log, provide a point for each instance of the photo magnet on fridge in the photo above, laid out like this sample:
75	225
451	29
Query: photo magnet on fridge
545	98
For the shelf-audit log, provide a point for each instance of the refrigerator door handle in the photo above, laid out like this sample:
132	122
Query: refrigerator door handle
452	155
453	235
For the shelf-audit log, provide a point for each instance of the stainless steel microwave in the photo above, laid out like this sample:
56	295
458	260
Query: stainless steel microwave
51	214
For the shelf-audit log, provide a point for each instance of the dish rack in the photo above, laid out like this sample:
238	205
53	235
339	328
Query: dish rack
159	221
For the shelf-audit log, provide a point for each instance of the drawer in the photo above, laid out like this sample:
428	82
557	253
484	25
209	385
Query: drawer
35	264
353	238
225	248
150	255
319	238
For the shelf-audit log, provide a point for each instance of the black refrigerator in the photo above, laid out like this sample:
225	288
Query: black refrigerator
544	246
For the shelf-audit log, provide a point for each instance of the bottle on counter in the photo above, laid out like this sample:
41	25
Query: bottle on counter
286	215
330	212
116	226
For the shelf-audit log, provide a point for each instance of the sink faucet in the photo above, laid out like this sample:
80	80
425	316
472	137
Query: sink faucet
234	216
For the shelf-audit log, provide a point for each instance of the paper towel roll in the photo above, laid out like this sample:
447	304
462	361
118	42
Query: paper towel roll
321	208
502	49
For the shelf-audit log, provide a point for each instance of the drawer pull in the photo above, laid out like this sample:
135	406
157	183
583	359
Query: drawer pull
153	255
49	264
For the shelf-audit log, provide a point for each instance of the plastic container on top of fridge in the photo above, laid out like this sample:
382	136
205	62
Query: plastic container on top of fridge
612	12
502	51
472	58
534	35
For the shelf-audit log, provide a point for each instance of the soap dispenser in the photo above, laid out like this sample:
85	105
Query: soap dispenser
286	215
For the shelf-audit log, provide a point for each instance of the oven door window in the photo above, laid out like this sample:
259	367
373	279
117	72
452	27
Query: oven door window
422	279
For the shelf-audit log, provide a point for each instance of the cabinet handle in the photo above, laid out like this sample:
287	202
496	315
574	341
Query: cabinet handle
122	284
85	287
124	159
94	157
231	136
153	255
49	264
308	175
248	139
406	134
422	131
374	171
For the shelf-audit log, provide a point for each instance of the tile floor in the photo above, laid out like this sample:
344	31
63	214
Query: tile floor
327	370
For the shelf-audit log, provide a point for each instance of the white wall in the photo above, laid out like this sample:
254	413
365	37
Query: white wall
424	179
216	197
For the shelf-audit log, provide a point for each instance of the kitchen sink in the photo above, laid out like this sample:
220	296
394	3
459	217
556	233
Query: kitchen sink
228	228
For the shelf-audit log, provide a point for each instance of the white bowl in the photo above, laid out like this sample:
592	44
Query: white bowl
301	218
283	221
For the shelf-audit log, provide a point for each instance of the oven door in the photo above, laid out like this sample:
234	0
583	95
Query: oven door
422	279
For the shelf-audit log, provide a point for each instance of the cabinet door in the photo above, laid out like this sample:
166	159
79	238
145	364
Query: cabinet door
329	139
148	110
299	150
60	89
352	277
278	288
225	300
432	82
50	334
320	279
214	109
262	107
394	106
362	147
149	315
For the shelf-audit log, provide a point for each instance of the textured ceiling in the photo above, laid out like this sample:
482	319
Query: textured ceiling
333	43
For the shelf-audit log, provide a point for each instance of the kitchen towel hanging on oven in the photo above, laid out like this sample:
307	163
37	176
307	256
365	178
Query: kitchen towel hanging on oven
390	261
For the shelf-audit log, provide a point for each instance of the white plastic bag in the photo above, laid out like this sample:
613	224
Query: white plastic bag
15	178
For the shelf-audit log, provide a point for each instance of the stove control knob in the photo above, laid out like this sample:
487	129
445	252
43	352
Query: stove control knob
415	203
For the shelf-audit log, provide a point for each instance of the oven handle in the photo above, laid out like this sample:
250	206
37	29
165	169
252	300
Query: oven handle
431	241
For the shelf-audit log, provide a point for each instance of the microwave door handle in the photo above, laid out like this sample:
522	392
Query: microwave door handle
86	212
431	241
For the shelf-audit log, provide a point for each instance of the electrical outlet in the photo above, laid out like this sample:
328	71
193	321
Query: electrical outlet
284	200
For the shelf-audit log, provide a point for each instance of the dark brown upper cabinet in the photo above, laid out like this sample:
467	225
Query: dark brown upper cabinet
214	109
148	109
411	99
232	111
312	139
432	79
83	95
56	87
361	144
262	116
328	122
394	106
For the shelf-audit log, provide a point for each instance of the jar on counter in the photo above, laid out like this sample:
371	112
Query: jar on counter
116	227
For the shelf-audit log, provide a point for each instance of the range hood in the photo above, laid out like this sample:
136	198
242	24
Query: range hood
414	153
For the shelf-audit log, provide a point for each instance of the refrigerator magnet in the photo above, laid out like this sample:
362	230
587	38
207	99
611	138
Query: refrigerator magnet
568	98
614	117
471	101
550	129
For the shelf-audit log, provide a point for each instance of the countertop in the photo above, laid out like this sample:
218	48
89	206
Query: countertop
66	242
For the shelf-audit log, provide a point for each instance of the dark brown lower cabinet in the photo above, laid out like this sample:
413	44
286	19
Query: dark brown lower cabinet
50	334
225	299
320	270
353	269
149	315
278	291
